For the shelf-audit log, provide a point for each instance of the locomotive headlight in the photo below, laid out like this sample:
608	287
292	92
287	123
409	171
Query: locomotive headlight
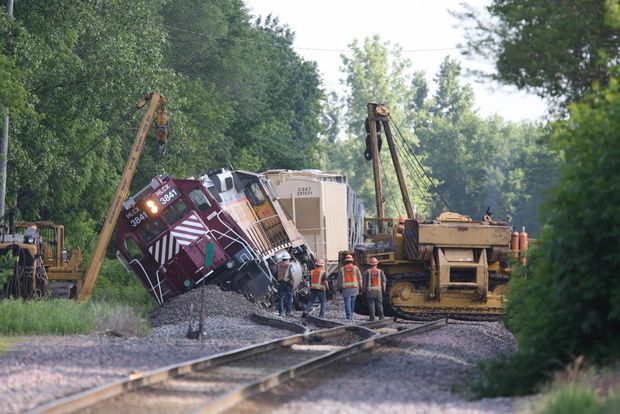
152	206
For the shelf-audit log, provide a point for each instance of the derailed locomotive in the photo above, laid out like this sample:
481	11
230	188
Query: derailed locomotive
226	228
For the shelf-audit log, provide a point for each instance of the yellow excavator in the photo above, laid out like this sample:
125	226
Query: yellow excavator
450	266
42	266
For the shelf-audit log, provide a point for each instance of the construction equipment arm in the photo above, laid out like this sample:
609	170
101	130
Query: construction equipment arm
156	104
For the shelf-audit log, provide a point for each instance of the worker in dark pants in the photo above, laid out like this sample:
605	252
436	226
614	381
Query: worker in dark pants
318	287
374	286
349	281
285	286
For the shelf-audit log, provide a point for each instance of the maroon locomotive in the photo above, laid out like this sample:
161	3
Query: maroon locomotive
226	227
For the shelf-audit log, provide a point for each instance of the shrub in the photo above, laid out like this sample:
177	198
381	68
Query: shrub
117	286
569	303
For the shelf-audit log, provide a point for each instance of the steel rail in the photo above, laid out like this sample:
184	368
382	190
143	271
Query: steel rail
279	323
243	393
325	323
92	396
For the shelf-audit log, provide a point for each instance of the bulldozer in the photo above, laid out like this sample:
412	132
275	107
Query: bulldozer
450	266
42	265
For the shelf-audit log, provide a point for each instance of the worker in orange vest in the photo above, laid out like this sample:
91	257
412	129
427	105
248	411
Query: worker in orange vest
374	286
349	281
318	287
285	284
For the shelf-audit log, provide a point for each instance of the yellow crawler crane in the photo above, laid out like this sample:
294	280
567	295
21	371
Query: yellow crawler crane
451	266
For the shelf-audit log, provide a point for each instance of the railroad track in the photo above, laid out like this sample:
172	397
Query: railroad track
219	382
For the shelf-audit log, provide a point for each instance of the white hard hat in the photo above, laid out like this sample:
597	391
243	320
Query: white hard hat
285	256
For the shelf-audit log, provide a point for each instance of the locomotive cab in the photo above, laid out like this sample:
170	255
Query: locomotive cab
174	236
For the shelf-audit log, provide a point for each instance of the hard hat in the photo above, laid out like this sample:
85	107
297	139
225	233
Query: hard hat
285	256
319	262
401	220
348	258
373	261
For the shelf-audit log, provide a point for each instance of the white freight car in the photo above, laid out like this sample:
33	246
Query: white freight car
325	209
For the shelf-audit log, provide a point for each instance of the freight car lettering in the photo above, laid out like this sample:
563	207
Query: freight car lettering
304	191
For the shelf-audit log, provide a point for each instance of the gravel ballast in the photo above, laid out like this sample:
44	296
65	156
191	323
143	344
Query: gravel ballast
421	375
43	368
426	373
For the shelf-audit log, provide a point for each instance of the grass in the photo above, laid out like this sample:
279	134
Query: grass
119	304
582	391
67	317
118	318
7	343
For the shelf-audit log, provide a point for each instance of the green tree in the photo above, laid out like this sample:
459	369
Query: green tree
473	163
569	305
237	92
12	92
452	99
376	72
557	49
272	96
82	69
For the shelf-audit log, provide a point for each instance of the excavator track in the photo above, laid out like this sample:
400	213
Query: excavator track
421	314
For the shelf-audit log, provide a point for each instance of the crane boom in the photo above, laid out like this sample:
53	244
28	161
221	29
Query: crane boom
375	162
379	114
156	104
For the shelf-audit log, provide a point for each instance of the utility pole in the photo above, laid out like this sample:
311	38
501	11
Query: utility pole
4	145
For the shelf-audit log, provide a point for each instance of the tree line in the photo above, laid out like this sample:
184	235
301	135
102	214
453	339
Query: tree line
238	93
472	162
240	96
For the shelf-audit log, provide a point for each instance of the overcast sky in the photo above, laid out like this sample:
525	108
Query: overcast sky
324	29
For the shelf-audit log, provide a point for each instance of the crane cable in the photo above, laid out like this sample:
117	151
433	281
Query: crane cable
412	168
389	186
406	157
419	164
420	167
413	162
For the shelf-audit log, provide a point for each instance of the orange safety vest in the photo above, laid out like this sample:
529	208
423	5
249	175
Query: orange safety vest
284	272
374	279
350	276
317	279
